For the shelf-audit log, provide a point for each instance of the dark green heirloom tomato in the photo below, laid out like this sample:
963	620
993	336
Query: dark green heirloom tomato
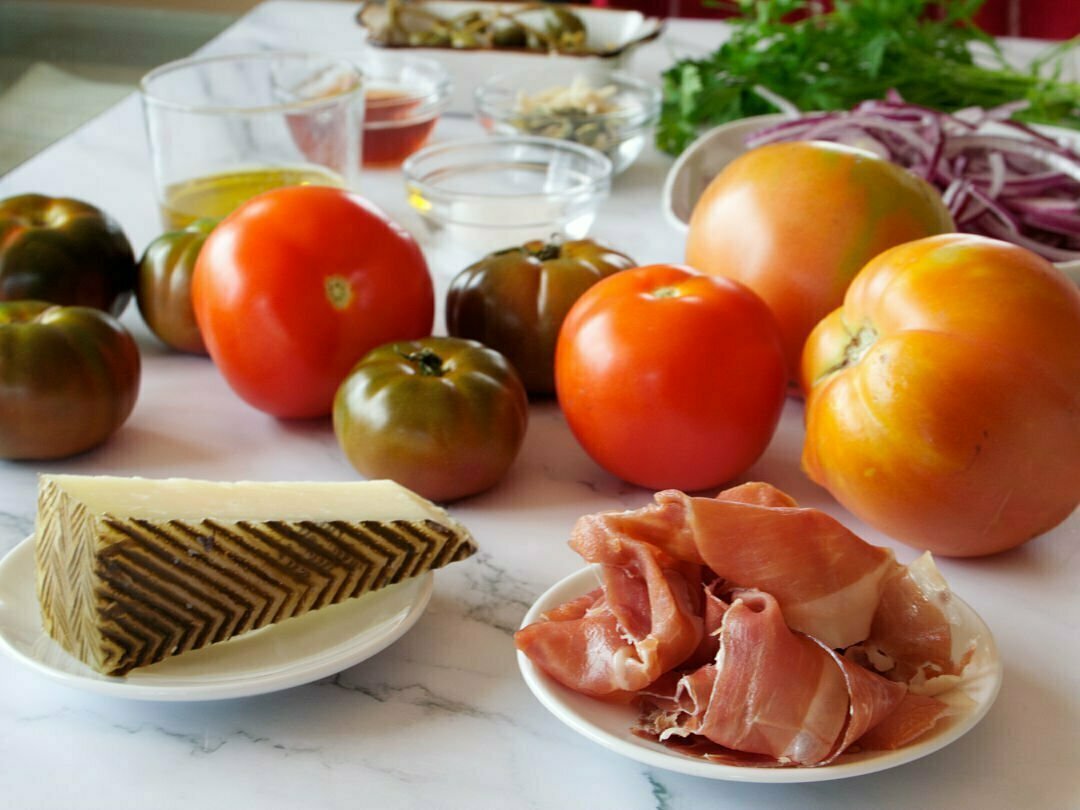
63	251
69	377
515	300
163	290
441	415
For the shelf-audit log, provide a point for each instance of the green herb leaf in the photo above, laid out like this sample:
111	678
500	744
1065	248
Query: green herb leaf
859	50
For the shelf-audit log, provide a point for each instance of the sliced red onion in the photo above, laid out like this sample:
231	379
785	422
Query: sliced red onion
778	101
998	177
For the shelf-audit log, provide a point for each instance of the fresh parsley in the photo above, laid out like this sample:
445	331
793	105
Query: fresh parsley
859	50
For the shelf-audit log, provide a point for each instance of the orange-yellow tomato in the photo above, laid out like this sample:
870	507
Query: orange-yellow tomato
943	397
796	221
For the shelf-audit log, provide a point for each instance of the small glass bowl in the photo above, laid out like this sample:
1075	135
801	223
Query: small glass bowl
493	193
619	133
403	98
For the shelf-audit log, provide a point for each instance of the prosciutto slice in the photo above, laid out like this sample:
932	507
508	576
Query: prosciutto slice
913	636
754	631
779	693
735	700
642	621
827	580
915	715
830	583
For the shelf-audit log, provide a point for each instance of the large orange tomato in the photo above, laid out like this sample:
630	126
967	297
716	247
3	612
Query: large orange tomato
796	221
670	378
943	401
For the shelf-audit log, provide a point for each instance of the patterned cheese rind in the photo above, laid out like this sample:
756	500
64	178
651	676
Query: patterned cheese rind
120	592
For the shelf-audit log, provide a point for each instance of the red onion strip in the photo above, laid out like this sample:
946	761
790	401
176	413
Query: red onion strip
998	176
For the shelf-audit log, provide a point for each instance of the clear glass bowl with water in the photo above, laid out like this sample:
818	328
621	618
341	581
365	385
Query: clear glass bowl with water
493	193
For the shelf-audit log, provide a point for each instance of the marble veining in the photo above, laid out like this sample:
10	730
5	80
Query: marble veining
199	744
501	599
14	527
416	694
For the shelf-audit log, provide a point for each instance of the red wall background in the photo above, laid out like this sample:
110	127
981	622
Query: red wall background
1040	19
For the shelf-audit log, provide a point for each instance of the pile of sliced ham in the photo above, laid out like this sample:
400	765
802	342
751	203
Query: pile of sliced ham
751	631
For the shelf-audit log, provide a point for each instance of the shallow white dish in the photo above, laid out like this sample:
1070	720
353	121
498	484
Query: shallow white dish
295	652
612	33
706	157
609	724
701	161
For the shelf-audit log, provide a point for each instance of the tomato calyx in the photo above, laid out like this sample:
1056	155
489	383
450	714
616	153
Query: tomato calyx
549	250
339	292
426	361
27	312
540	250
49	215
667	291
859	343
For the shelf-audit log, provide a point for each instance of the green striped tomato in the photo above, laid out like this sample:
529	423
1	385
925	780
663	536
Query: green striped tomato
69	377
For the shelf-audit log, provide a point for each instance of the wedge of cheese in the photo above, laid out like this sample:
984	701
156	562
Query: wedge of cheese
133	570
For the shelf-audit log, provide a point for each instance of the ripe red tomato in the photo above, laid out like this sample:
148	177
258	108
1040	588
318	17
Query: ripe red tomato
795	222
670	378
298	284
943	397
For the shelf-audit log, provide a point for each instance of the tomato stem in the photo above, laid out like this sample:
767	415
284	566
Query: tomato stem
550	250
427	361
859	344
339	292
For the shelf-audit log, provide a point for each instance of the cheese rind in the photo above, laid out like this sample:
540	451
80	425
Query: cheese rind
133	570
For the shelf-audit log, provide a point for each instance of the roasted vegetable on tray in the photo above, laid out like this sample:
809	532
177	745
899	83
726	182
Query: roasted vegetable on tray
528	26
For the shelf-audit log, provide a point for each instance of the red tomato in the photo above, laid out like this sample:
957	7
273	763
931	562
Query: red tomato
796	221
298	284
670	378
943	402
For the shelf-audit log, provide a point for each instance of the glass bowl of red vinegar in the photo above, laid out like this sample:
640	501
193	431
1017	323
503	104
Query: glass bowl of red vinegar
403	98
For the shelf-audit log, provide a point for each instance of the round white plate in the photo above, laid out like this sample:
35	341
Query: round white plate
295	652
701	161
706	157
609	724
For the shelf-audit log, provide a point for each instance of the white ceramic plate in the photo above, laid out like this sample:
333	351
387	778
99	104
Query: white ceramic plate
609	724
294	652
609	32
613	34
702	160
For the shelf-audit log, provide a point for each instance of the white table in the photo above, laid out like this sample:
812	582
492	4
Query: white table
442	718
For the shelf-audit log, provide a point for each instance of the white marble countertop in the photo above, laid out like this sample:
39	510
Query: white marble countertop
442	719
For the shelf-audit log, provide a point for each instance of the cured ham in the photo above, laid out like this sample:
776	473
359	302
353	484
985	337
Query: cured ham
751	630
913	628
642	621
828	581
915	715
732	701
829	703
